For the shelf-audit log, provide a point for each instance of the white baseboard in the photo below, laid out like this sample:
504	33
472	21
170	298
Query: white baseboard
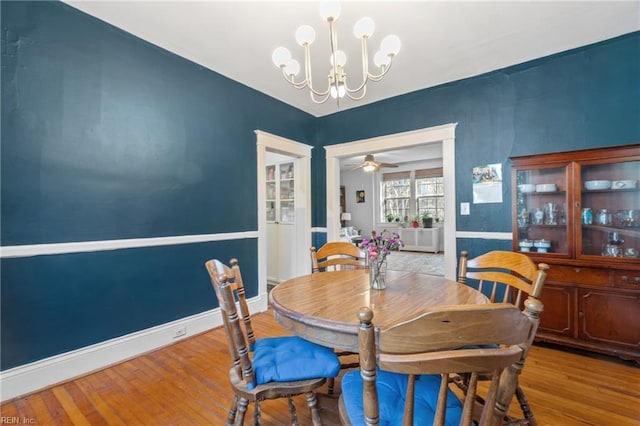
25	379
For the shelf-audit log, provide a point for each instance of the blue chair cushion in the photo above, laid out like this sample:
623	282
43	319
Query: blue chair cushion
290	358
392	388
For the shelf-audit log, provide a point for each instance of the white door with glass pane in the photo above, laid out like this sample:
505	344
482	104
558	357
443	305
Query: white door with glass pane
281	221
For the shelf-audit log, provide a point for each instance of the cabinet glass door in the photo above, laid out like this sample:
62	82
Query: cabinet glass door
610	211
542	211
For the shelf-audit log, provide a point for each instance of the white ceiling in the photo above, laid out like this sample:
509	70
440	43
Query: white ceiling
442	41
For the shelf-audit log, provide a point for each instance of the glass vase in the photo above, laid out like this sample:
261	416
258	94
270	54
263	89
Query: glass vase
377	274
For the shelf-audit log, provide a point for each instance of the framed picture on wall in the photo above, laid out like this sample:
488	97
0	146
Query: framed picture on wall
360	196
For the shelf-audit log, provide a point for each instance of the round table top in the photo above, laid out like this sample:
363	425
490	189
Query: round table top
323	307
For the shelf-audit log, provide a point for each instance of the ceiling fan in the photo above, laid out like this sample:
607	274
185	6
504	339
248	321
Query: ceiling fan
371	165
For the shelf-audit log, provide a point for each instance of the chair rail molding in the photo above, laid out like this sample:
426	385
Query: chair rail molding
91	246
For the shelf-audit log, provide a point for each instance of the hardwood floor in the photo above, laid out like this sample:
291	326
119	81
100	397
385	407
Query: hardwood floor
186	384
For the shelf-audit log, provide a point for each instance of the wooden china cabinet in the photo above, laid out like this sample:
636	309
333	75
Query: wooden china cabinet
579	212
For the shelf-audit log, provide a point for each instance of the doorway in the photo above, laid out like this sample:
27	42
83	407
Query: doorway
300	233
444	134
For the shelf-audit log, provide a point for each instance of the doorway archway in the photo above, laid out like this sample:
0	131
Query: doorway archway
444	134
301	154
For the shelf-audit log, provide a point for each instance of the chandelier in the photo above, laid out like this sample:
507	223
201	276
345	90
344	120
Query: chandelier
337	86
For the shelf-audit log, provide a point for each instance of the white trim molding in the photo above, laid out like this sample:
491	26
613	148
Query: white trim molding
90	246
444	134
302	154
25	379
485	235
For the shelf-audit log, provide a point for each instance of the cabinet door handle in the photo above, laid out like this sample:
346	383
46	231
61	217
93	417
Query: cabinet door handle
625	278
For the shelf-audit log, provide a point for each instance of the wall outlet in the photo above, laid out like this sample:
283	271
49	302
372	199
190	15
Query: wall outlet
178	332
464	209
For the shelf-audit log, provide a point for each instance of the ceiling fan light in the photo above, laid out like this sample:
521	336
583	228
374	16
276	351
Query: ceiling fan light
369	168
281	56
364	27
305	35
330	10
390	45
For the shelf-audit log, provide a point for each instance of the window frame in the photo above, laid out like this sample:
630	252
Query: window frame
413	209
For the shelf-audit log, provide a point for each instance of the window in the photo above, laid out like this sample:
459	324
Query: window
396	195
413	193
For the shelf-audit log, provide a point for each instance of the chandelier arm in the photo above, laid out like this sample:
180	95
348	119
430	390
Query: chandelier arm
309	79
384	72
307	66
357	98
365	73
323	99
291	80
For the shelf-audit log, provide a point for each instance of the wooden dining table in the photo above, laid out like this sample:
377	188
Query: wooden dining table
322	307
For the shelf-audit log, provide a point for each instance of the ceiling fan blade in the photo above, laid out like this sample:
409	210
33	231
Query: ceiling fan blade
387	165
355	166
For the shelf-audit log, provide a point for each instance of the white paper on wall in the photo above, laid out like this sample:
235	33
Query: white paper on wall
487	184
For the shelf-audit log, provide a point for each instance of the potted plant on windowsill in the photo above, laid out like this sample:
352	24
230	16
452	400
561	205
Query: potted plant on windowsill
427	220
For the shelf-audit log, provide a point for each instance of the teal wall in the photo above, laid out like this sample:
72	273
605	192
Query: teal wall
105	136
589	97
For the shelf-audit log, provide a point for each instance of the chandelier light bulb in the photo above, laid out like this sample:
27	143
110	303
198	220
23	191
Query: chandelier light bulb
340	58
381	59
390	45
364	27
330	10
281	56
305	34
338	93
292	67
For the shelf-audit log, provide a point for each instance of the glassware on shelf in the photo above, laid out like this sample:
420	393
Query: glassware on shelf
542	246
523	218
628	218
525	245
551	214
538	216
603	217
612	250
587	216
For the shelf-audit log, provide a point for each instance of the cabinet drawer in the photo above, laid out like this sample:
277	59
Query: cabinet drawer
627	279
578	275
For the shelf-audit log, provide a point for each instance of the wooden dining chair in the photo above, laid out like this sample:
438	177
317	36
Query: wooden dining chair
405	370
506	276
267	368
336	256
